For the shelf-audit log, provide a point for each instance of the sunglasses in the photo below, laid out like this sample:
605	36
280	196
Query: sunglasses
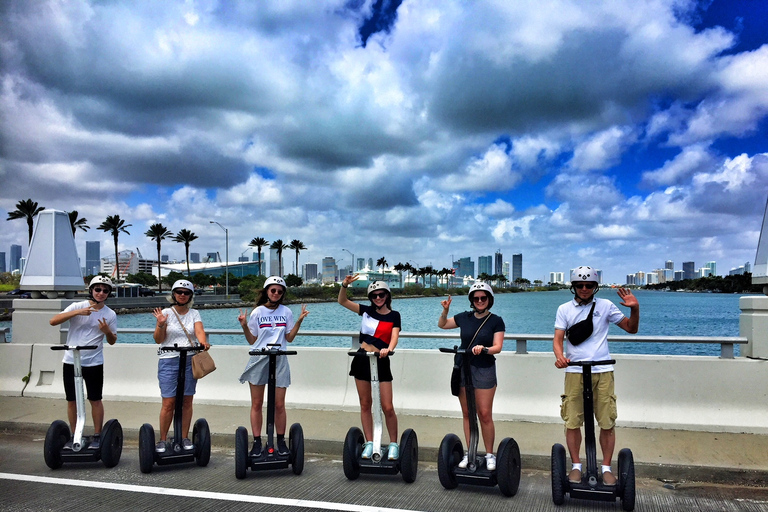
182	292
278	291
96	289
479	298
378	295
581	286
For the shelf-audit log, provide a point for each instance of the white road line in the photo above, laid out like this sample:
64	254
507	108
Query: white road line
166	491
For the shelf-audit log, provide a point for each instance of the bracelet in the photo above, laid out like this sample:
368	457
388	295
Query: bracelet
344	285
485	350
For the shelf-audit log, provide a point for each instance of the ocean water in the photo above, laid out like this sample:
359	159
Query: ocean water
661	314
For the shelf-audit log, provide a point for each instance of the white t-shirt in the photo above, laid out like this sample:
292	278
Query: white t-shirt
84	330
594	348
174	334
270	326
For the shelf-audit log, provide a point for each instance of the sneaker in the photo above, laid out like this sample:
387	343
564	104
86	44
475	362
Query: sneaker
608	478
160	447
95	442
393	451
186	443
256	449
490	461
368	450
68	445
282	448
464	462
574	476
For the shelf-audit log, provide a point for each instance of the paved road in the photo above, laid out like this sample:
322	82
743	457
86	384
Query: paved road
26	484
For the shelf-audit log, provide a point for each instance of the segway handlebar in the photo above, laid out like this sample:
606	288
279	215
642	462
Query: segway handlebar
455	350
176	348
591	363
267	351
74	347
366	354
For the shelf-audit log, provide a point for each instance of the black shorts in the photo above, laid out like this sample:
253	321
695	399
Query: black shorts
93	377
361	369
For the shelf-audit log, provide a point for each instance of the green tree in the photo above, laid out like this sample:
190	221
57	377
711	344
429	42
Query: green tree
158	233
26	209
293	280
400	268
142	278
298	246
278	245
77	223
186	237
115	225
258	243
172	277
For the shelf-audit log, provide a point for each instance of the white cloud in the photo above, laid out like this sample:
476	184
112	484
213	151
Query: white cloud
602	150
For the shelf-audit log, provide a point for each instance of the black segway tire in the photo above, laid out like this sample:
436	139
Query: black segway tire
626	483
111	443
296	447
409	455
559	478
448	457
146	448
353	448
508	467
57	436
241	452
201	438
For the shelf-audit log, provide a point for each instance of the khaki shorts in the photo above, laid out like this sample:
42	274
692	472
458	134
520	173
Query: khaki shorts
572	406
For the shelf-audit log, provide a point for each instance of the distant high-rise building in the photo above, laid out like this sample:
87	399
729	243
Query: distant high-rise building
164	258
484	264
599	276
556	277
679	275
212	257
498	267
274	264
505	270
748	267
370	263
360	263
465	267
15	257
194	257
517	267
92	258
651	278
640	278
2	262
631	279
669	265
689	270
712	266
242	259
310	271
329	269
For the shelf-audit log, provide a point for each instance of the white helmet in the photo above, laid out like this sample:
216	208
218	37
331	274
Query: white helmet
101	280
584	274
378	285
275	280
183	283
481	287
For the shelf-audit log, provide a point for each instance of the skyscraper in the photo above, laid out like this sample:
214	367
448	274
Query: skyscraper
689	270
465	267
15	257
360	263
92	258
2	262
274	264
498	264
517	267
329	269
712	266
212	257
194	257
310	271
484	264
669	265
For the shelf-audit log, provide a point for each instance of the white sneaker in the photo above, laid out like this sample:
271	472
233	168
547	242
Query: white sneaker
490	461
464	462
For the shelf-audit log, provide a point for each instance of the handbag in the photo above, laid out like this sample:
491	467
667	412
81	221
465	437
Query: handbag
580	331
202	362
456	373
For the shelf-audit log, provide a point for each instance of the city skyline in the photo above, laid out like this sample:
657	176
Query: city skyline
574	133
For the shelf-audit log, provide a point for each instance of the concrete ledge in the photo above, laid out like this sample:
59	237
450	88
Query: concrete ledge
15	364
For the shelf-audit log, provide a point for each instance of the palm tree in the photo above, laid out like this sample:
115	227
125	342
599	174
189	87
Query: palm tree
115	225
186	237
77	223
158	233
381	262
258	243
400	268
26	209
297	245
429	271
278	245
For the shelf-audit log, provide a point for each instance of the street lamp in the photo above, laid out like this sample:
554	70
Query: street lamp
226	254
353	260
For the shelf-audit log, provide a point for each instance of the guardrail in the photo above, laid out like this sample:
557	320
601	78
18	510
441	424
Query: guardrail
521	340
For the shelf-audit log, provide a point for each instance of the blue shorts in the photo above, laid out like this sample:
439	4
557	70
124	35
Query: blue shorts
168	376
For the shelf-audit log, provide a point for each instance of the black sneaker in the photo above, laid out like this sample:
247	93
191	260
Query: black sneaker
95	442
282	448
256	449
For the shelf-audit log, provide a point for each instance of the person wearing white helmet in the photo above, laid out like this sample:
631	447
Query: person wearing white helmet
581	334
90	321
379	332
270	322
482	333
175	326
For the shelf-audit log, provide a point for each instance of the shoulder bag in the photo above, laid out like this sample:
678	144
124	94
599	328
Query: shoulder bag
202	362
580	331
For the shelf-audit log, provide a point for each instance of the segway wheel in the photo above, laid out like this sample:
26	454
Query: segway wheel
626	483
559	478
448	457
201	438
241	452
409	455
146	448
508	467
111	443
55	439
296	447
353	448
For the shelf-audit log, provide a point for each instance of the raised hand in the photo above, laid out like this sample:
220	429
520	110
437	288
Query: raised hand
304	312
627	299
242	317
104	326
446	303
158	314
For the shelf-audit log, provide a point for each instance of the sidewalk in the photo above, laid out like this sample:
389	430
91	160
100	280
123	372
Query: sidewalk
664	454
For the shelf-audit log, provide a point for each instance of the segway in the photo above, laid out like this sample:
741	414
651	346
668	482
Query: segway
270	457
354	463
56	448
507	472
175	452
591	487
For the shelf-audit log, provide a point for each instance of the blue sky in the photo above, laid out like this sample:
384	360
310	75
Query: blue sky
610	134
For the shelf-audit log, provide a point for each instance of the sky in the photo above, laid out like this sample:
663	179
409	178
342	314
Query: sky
612	134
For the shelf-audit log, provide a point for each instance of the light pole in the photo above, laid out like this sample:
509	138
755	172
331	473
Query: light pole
353	260
226	255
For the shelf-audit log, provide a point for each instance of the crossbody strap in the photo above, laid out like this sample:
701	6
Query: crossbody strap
471	343
182	326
